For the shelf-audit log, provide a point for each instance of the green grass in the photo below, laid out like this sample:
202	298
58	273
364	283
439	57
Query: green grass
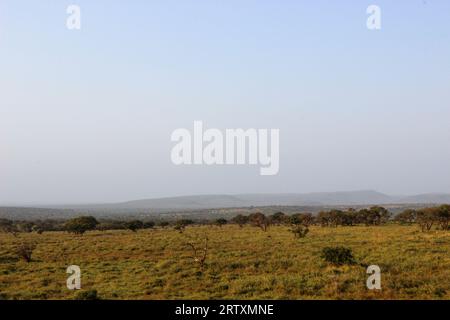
242	263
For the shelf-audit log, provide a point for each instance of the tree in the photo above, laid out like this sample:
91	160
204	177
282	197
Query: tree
180	225
329	218
240	220
81	224
323	218
349	217
7	226
407	216
375	215
443	216
134	225
259	220
305	219
163	224
426	218
278	218
300	223
220	222
199	253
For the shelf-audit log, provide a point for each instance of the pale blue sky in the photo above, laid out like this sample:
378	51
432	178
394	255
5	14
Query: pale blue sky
86	116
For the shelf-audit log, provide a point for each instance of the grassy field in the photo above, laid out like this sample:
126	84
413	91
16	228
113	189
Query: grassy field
242	263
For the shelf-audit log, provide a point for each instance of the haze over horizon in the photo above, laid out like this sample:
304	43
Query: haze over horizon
86	116
347	197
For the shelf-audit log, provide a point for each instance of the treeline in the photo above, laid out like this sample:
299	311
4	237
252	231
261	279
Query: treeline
76	225
373	216
426	218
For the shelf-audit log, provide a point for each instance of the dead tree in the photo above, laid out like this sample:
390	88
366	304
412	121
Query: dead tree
199	253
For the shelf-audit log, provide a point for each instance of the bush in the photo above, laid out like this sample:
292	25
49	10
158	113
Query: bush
180	225
149	225
80	225
134	225
299	231
87	295
163	224
25	251
220	222
338	255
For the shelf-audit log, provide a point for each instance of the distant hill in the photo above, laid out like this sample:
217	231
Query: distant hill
364	197
203	205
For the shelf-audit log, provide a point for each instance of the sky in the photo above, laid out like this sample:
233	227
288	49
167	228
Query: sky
86	115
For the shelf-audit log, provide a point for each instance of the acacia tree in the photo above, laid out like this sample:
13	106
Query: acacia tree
278	218
443	216
426	218
240	220
300	224
259	220
407	216
80	225
323	218
375	215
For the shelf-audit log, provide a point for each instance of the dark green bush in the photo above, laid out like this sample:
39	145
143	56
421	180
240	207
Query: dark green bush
80	225
338	255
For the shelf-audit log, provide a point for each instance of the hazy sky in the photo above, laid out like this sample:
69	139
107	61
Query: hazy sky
86	116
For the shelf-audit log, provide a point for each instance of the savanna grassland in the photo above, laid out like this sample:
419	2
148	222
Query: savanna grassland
241	263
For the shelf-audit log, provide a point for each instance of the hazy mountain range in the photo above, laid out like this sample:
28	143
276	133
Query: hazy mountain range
364	197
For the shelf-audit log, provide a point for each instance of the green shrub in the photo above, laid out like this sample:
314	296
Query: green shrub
299	231
80	225
338	255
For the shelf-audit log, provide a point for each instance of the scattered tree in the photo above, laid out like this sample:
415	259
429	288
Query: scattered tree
7	226
81	224
134	225
220	222
240	220
259	220
180	225
199	254
278	218
408	216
